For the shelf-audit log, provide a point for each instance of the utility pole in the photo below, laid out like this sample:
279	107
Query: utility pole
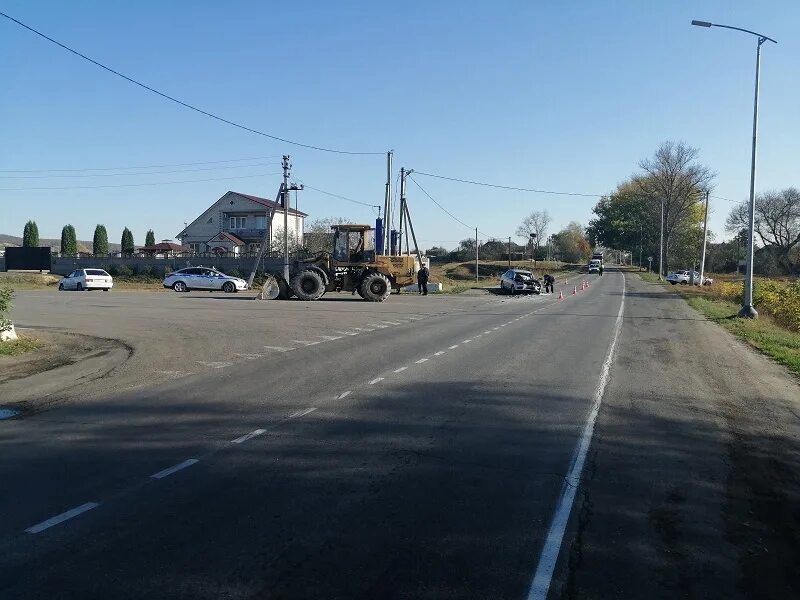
705	238
641	238
661	244
285	204
509	252
476	255
403	174
387	203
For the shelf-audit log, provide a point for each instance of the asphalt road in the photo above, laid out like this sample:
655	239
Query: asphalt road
451	453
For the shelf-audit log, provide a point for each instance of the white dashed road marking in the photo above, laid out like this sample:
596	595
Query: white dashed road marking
421	360
214	365
439	353
248	436
65	516
376	380
344	395
174	469
400	370
466	341
329	338
306	342
453	347
279	348
348	332
302	413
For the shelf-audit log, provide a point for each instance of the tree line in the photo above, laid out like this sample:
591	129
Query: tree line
630	218
69	239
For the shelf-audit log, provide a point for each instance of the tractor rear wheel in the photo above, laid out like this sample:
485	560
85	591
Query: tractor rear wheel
308	285
375	287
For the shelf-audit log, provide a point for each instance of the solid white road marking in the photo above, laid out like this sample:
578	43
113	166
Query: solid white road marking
453	347
306	342
377	325
393	322
347	332
400	370
65	516
344	395
439	353
247	356
421	360
555	535
363	329
174	469
329	338
376	380
248	436
279	348
302	413
486	333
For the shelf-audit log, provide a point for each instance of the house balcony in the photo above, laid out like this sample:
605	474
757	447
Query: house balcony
247	235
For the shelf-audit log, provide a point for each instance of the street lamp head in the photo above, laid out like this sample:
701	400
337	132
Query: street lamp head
701	23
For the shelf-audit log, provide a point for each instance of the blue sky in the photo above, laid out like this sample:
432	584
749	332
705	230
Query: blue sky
558	96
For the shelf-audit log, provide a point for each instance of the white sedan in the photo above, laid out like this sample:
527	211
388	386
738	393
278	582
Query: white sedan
203	278
87	279
685	277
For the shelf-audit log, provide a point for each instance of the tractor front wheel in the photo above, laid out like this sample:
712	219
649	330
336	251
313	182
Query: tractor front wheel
308	285
375	287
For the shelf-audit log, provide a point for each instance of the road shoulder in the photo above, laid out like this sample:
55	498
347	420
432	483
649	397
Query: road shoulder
694	475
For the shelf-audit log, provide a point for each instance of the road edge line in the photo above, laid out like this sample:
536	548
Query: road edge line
540	586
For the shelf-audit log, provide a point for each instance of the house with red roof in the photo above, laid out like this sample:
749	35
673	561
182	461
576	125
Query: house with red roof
237	223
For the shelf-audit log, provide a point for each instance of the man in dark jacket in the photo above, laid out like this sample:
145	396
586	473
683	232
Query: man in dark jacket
549	280
422	280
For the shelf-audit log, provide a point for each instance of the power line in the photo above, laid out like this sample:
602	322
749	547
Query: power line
83	175
123	185
180	102
189	164
451	215
508	187
337	195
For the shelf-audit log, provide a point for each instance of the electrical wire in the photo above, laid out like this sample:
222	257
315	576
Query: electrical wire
447	212
508	187
182	103
83	175
304	184
190	164
123	185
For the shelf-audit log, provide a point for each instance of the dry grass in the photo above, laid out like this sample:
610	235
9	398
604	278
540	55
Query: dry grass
19	346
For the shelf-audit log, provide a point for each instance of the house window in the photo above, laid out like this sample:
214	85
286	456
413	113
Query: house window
195	248
261	222
238	222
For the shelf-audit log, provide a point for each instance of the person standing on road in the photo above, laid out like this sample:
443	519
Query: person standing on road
422	280
549	280
601	269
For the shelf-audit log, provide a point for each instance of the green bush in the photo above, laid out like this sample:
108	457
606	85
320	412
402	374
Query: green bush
6	293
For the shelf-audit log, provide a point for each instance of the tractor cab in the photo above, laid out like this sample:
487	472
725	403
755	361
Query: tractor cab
353	244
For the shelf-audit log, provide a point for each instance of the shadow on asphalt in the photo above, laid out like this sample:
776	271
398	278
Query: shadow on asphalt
431	490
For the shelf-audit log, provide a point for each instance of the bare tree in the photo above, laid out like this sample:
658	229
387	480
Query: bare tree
675	177
537	222
777	221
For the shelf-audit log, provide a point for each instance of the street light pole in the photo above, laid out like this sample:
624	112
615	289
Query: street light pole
705	238
661	243
747	305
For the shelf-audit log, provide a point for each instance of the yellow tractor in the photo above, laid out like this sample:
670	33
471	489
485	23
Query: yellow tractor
352	266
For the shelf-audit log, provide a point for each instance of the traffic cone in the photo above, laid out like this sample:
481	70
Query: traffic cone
574	290
560	294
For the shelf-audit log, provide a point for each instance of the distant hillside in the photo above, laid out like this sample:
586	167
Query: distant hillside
83	246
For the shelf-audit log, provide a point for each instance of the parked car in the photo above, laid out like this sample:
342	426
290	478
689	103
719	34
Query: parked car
87	279
519	281
203	278
685	277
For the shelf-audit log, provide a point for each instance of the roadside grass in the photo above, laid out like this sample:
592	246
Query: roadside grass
763	334
28	281
21	345
649	276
